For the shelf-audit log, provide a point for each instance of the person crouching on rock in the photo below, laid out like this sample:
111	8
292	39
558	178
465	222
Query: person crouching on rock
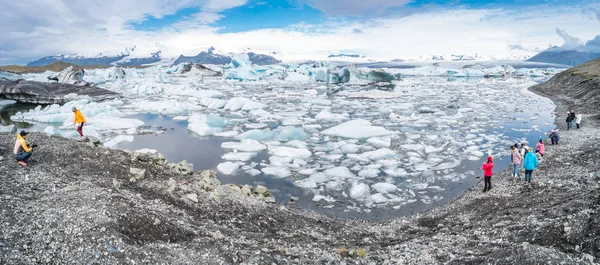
23	150
78	119
530	163
487	173
554	136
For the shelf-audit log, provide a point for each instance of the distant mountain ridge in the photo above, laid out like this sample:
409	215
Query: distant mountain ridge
210	57
572	58
123	59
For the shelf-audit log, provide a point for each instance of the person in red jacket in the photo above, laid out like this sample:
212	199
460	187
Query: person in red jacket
487	173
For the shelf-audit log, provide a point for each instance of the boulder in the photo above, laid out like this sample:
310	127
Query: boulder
261	189
183	168
192	197
137	173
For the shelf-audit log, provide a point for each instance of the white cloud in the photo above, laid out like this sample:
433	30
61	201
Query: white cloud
31	31
354	7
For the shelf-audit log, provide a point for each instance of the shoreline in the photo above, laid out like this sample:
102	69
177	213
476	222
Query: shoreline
88	212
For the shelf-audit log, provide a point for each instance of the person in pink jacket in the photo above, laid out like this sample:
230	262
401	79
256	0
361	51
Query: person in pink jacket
516	160
487	173
540	147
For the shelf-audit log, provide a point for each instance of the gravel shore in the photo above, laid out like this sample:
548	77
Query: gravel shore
79	204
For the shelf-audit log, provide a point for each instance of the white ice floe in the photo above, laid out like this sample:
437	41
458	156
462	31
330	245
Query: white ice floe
357	129
245	145
206	124
228	168
119	139
279	172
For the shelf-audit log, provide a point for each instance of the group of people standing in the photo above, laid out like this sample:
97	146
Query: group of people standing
524	158
573	118
23	150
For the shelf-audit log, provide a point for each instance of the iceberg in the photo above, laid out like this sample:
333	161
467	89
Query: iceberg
282	134
239	103
204	125
119	139
246	145
241	69
227	168
360	191
357	129
283	151
238	156
279	172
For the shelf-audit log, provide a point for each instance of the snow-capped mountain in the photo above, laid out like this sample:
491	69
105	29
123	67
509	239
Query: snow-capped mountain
132	56
346	55
211	56
473	57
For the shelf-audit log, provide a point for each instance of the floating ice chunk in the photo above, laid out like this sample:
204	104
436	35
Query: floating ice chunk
396	172
357	129
413	147
380	142
49	130
421	167
228	168
114	123
308	171
241	69
435	188
279	172
239	103
307	183
339	172
239	156
350	148
246	145
320	177
282	134
378	198
328	116
384	187
283	151
115	141
227	134
297	144
147	151
360	191
253	172
431	149
379	154
213	103
419	186
206	124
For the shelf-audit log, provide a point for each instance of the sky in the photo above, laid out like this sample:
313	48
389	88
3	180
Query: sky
297	29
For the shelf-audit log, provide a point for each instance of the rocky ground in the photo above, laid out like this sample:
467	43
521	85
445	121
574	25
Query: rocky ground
78	203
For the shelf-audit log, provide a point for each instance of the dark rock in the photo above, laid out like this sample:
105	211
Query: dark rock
48	93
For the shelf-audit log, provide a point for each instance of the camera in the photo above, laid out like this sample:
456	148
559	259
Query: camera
33	145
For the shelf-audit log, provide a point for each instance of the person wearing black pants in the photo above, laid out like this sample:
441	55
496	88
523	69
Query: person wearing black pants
487	174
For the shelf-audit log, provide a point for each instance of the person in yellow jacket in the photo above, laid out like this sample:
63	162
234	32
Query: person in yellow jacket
23	150
78	119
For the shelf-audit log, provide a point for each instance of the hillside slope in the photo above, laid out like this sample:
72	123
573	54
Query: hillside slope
578	86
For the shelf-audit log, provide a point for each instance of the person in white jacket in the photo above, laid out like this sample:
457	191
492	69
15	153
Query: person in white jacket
578	119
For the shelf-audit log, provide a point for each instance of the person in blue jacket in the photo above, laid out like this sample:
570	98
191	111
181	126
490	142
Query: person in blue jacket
530	162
